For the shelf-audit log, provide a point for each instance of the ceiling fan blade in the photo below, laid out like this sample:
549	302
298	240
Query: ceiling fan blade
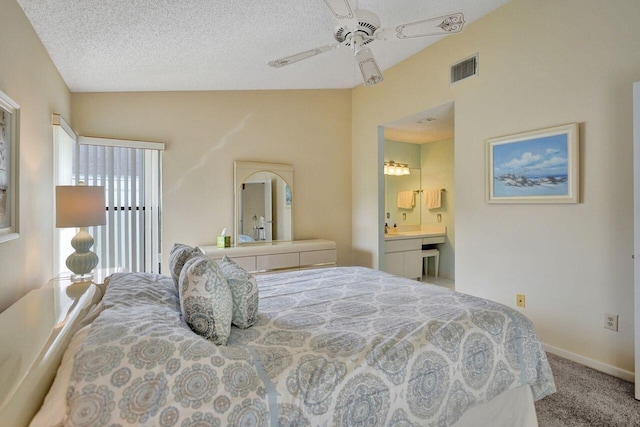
302	55
343	12
371	74
438	26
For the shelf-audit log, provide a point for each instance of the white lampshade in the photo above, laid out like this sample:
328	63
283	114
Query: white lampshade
80	206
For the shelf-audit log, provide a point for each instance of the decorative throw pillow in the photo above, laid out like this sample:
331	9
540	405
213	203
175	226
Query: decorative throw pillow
205	299
178	256
244	292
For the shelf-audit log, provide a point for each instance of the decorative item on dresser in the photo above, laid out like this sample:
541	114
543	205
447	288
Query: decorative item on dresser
80	206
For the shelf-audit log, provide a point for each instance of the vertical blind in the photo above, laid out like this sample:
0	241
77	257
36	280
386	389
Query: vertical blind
131	177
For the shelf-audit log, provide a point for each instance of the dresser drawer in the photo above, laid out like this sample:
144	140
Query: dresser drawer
263	257
402	245
432	240
246	262
318	257
276	261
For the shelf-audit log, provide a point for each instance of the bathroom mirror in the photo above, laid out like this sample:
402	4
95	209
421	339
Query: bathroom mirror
394	212
263	202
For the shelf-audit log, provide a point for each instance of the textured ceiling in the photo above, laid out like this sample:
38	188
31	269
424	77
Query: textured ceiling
171	45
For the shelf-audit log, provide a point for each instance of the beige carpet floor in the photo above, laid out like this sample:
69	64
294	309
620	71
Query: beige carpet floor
587	398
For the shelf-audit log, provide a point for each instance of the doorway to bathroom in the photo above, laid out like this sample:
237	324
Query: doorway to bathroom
418	200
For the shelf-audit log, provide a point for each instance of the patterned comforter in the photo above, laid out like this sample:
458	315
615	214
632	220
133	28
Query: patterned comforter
339	346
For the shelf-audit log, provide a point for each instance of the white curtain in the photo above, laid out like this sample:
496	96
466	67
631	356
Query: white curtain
64	141
130	238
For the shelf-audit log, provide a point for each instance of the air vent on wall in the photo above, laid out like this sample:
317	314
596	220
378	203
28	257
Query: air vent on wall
464	69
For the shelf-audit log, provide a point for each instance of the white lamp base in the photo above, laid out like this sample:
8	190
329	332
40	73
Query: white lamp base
83	260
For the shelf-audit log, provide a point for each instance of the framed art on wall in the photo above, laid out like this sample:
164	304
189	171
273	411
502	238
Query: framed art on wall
540	166
9	178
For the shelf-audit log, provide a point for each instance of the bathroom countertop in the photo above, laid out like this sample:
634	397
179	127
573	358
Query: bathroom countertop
438	231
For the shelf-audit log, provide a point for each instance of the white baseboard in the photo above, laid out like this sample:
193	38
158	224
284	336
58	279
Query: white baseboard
591	363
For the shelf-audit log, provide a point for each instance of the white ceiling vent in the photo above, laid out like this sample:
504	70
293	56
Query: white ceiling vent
464	69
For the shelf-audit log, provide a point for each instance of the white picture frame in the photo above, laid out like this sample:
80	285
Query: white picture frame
9	168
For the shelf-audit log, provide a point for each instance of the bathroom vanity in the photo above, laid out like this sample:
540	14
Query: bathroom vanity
403	249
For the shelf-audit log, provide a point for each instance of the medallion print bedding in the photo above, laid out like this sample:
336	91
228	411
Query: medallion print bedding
339	346
244	293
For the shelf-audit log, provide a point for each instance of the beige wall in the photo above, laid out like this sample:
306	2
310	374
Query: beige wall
205	132
29	77
437	169
542	63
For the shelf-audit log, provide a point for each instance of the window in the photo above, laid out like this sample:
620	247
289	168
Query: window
127	174
130	171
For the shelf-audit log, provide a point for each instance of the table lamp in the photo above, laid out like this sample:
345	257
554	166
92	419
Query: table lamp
80	206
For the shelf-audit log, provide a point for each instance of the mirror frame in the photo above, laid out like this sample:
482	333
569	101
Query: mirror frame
243	170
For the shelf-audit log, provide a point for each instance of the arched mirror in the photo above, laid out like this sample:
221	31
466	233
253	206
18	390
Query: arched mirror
263	202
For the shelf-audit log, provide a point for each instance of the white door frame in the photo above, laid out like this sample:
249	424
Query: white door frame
636	228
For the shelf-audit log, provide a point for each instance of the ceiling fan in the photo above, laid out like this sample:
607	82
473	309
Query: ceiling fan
359	27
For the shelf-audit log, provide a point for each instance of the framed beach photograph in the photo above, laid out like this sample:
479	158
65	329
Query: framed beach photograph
540	166
9	126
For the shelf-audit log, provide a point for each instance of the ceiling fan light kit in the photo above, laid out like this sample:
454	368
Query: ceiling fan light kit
358	27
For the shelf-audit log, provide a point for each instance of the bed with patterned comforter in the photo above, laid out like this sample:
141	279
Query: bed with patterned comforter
339	346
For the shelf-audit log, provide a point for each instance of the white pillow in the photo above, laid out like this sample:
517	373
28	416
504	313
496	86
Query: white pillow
205	299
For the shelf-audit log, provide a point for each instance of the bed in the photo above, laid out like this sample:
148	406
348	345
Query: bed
334	346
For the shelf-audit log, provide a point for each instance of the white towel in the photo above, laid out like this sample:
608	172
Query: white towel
433	199
406	199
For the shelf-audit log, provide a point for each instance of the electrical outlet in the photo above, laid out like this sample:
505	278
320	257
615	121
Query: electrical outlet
439	217
611	321
520	300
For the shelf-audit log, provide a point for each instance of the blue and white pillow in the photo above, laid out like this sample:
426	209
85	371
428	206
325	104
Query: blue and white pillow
205	299
244	292
178	256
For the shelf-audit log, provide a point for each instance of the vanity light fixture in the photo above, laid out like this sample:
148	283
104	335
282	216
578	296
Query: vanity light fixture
393	168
